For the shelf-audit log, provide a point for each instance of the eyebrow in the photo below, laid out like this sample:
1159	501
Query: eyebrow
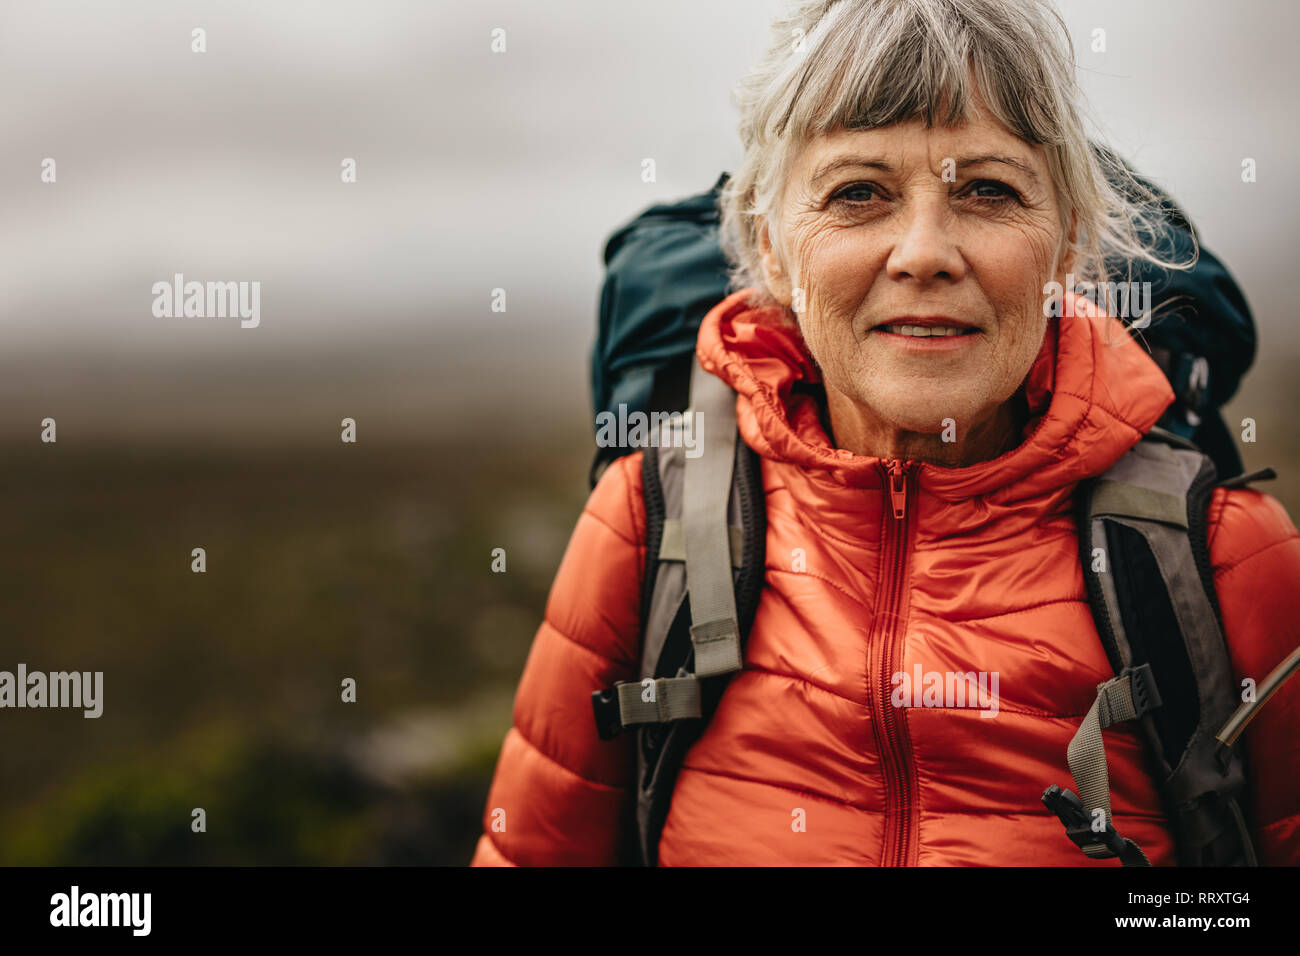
991	158
846	161
966	161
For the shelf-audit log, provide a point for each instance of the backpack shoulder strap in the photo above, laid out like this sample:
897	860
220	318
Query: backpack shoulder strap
1145	560
705	531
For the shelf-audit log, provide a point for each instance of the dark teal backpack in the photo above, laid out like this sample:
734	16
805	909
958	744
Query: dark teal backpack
665	269
1152	595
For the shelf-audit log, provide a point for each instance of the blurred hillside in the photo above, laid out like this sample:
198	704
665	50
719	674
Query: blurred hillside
222	689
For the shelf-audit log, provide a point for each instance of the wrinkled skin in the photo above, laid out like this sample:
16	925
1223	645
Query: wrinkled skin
867	244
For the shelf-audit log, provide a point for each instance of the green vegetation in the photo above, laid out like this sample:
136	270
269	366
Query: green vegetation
222	689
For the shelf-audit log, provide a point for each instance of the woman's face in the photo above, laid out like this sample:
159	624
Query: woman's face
944	228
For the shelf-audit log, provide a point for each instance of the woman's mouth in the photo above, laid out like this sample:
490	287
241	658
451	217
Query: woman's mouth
927	331
929	338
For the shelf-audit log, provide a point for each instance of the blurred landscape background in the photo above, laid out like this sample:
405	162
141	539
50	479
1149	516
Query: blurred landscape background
326	560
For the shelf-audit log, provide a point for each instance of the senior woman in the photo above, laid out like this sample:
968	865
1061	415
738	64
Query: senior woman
915	180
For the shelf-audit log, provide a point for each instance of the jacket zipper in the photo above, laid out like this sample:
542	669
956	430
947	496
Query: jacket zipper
891	739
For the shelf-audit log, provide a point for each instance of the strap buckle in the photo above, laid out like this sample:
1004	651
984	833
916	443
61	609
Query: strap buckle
1127	696
1146	696
1096	844
1069	810
609	717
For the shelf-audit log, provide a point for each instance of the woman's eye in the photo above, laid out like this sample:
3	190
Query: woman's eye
992	190
856	193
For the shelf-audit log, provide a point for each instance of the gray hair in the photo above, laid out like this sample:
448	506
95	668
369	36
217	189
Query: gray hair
865	64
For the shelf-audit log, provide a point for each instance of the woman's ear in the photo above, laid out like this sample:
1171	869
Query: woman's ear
774	273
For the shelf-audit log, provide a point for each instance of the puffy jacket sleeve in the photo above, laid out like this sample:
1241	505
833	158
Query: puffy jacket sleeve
1255	552
561	795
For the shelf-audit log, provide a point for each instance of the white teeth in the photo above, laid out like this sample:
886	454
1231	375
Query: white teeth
924	331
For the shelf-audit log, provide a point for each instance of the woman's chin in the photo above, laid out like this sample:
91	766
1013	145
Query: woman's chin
922	412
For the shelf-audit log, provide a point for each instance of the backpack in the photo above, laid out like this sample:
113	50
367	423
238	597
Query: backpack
1142	536
665	269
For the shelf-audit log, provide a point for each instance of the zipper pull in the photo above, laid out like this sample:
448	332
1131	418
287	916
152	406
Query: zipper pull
897	488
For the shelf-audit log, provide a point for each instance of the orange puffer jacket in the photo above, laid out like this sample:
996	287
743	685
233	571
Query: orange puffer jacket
807	761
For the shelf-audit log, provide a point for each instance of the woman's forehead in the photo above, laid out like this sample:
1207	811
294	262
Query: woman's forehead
979	140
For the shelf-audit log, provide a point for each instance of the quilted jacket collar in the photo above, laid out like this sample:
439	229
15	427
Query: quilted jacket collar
1092	393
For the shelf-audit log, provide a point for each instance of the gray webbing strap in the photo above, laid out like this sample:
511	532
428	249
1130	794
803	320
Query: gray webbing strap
672	545
1134	501
715	631
1087	751
667	698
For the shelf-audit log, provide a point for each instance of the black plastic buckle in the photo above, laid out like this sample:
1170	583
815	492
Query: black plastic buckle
609	718
1146	696
1070	811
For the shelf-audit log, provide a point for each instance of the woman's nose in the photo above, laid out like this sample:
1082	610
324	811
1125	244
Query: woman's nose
925	249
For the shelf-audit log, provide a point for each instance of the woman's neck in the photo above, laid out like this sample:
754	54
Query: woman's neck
862	432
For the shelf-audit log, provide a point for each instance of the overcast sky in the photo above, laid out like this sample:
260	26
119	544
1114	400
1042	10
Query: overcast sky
479	170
